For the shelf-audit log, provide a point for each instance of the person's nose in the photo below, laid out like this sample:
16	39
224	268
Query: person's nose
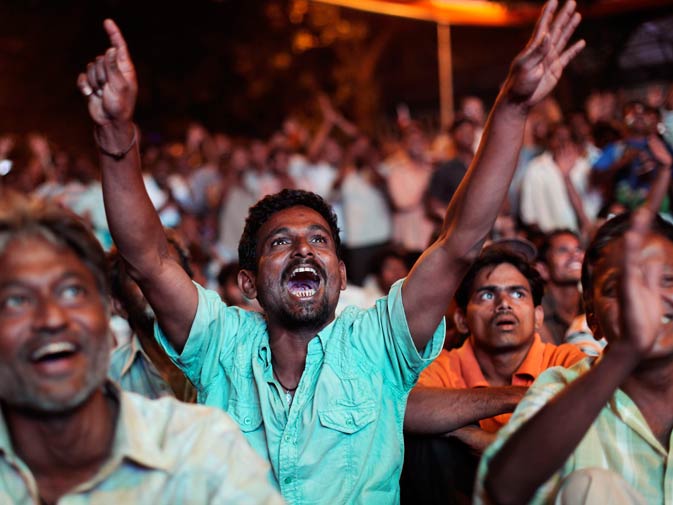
502	301
50	316
302	248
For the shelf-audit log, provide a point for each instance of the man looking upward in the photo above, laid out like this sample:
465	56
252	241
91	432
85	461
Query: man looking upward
322	398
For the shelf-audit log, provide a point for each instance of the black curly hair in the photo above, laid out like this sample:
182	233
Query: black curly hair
493	256
271	204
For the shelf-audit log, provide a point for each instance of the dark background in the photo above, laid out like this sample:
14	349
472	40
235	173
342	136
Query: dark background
234	66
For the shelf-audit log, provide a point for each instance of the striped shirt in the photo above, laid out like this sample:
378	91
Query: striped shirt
619	440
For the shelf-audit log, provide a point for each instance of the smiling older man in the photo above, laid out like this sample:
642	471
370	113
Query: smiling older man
67	434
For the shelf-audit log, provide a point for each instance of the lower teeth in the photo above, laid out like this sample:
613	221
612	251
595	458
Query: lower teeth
305	294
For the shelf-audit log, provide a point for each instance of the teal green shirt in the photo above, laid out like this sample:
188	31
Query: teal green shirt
164	452
340	440
133	370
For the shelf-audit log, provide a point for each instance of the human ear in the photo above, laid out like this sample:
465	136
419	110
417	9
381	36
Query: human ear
247	283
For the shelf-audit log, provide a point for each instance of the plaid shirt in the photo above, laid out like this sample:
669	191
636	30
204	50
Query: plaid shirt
619	440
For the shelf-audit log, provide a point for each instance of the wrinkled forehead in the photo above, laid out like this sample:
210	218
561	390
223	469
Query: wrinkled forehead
39	246
35	235
293	220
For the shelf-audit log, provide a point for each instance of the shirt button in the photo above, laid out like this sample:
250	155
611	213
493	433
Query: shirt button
287	438
246	420
287	480
349	422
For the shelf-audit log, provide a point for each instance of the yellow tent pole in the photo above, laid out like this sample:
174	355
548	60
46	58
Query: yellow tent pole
445	74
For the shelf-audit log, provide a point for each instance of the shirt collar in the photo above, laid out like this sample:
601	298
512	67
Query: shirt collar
316	346
469	366
136	350
532	364
529	369
133	437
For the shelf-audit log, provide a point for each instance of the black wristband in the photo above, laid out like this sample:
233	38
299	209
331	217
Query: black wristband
118	155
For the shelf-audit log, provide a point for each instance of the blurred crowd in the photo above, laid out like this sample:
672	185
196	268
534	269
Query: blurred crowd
390	192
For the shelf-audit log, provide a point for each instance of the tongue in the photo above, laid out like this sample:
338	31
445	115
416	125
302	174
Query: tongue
295	286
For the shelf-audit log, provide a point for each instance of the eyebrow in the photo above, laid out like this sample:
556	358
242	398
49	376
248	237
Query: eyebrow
284	229
19	283
490	287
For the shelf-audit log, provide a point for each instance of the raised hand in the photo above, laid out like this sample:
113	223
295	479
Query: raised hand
565	158
537	69
640	301
660	152
109	83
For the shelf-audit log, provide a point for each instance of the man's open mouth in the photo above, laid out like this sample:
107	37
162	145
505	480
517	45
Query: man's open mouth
303	282
505	321
53	352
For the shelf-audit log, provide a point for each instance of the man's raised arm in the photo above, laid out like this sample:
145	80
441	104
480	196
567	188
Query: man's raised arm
110	86
432	282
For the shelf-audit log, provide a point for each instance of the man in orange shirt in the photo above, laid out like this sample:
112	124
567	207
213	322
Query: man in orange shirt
499	307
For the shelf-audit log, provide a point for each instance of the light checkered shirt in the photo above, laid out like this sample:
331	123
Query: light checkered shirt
164	452
619	440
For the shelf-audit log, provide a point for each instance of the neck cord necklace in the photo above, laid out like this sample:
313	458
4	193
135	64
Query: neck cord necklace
287	389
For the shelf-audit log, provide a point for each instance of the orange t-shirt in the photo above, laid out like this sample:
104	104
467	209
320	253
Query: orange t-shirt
459	368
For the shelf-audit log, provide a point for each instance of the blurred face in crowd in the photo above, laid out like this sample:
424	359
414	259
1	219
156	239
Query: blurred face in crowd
564	260
473	108
603	305
54	331
559	138
500	313
240	160
635	119
392	270
417	145
258	154
332	153
299	275
463	136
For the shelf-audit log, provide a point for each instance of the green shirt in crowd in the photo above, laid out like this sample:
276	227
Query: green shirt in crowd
339	440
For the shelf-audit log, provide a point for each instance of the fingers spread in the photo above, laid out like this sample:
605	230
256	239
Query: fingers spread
571	52
542	26
562	20
567	32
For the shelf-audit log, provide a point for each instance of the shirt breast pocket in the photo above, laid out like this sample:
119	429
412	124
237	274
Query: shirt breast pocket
248	417
348	419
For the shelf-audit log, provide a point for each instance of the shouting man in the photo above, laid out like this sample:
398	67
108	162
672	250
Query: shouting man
322	398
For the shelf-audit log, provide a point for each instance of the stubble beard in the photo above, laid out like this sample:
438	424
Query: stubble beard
307	316
18	393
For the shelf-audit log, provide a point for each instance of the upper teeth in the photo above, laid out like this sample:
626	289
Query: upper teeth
52	348
665	319
299	270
